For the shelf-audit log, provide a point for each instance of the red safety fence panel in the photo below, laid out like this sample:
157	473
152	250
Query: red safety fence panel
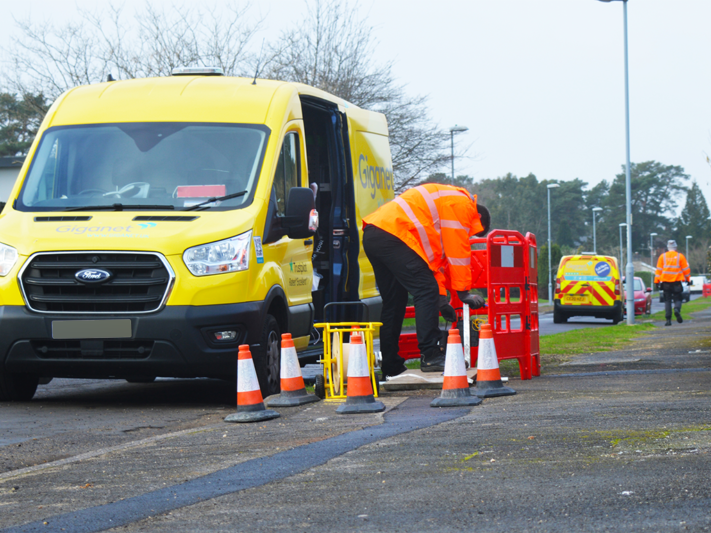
532	303
507	297
706	288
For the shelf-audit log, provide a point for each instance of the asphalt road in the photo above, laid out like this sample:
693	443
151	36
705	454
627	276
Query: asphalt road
602	442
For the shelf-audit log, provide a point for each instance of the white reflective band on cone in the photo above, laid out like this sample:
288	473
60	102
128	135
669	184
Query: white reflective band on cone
454	360
290	367
487	355
358	362
246	376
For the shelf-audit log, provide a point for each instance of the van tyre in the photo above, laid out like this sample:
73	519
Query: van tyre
559	317
619	317
267	360
17	387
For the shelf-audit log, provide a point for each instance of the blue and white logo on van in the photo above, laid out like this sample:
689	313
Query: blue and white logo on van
92	275
602	269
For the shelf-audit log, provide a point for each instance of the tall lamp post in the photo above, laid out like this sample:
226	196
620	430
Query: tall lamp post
628	182
455	129
687	247
595	210
550	279
651	248
623	225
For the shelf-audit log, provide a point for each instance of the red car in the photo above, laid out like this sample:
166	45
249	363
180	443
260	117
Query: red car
642	297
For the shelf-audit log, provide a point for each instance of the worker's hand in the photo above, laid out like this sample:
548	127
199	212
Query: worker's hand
446	310
472	300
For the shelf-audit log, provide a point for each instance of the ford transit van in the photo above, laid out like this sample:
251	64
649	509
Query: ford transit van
159	223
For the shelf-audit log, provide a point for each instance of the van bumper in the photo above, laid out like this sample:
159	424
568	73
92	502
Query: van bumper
597	311
177	341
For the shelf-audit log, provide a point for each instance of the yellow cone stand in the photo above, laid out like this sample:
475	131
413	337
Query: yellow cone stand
488	376
455	389
360	397
293	390
250	405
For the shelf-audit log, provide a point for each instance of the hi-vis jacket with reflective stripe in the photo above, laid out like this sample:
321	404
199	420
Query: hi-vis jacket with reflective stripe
672	266
436	221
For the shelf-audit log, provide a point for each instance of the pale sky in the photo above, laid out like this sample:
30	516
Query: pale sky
539	83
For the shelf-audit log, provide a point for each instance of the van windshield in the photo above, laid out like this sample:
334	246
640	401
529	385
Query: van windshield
163	165
592	269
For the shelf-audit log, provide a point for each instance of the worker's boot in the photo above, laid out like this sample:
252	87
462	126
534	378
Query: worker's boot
393	367
678	316
668	322
432	360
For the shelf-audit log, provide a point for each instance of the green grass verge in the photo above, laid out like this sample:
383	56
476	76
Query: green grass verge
591	340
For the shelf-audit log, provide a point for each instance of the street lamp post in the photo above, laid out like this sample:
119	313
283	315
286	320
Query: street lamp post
550	279
595	210
628	181
621	226
651	248
687	247
455	129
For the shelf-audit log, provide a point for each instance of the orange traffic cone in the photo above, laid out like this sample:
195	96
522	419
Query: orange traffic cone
488	377
360	387
250	406
455	389
293	390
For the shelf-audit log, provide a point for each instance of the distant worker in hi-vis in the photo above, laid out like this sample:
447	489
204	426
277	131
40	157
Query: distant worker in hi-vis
417	244
672	269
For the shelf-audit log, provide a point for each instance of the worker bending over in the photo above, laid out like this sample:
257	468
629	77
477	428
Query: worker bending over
672	268
411	241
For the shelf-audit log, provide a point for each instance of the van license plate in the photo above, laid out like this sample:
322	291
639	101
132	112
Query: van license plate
574	299
92	329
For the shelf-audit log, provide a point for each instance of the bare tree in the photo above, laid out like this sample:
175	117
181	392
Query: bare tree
51	59
333	49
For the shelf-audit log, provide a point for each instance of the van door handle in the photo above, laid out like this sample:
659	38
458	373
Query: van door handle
308	241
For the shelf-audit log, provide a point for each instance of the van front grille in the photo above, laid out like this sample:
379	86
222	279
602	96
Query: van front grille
136	282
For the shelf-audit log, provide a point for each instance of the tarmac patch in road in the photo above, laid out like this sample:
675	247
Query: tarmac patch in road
411	415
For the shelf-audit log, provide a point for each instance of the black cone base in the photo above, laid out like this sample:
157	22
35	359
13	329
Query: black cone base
291	399
252	416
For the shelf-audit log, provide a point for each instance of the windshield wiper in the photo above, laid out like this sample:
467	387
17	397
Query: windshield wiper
118	207
214	199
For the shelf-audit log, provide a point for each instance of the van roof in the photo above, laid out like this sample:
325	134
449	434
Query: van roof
180	99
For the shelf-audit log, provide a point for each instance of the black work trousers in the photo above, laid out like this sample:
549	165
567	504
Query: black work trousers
672	291
399	270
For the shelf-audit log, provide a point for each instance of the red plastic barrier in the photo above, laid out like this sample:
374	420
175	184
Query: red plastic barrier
706	290
507	297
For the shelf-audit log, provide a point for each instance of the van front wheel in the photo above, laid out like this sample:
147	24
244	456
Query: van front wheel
17	387
267	360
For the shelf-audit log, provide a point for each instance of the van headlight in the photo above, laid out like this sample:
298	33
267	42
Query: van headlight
8	258
230	255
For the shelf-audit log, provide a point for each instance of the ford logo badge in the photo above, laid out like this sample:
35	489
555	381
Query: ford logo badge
92	275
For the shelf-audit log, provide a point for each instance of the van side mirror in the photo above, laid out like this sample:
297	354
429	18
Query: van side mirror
297	222
649	289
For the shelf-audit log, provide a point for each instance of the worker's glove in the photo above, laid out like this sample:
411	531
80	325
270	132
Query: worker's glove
446	310
472	300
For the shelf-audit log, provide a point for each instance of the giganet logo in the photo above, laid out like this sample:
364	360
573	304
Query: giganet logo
131	231
373	177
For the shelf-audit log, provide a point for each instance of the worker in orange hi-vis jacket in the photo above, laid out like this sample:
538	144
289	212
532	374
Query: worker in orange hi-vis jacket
409	242
672	269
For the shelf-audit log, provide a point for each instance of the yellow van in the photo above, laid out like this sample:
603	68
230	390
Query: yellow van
588	285
159	223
